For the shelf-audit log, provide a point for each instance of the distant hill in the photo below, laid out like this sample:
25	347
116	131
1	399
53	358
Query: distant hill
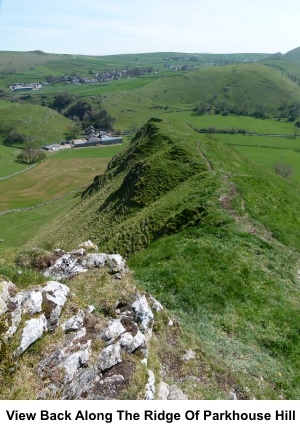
293	55
241	88
38	66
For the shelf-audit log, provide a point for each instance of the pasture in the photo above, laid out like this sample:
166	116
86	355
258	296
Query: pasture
17	228
8	163
267	151
59	174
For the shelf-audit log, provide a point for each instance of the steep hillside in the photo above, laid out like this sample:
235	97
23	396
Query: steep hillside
215	238
38	123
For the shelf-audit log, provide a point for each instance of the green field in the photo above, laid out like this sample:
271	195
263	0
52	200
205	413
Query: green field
267	151
17	228
59	174
8	163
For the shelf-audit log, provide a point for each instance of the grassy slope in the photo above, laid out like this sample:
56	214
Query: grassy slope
42	124
241	85
216	238
18	228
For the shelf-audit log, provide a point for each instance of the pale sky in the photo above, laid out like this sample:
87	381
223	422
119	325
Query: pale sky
98	27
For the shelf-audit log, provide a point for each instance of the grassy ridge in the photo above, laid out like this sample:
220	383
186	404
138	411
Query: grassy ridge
215	237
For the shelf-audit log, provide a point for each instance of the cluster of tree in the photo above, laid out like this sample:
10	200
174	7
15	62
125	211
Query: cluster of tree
15	137
224	109
82	111
291	111
31	154
61	101
228	130
88	115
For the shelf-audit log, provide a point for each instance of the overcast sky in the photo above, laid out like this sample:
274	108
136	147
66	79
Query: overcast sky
100	27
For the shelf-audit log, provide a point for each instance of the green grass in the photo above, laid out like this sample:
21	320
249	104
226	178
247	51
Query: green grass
41	124
267	151
212	235
39	64
241	86
19	227
215	237
59	174
251	125
8	163
97	152
236	293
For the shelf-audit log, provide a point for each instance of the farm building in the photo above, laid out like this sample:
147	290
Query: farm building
25	87
53	147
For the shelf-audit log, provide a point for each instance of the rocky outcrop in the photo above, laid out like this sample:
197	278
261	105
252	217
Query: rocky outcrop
92	356
80	260
46	302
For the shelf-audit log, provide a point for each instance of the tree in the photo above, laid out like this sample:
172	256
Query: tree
62	100
31	154
73	131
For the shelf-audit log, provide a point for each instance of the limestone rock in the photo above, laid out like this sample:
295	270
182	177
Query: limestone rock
32	301
163	391
116	263
176	394
131	343
33	330
114	330
65	267
143	313
72	362
15	314
189	355
5	286
88	245
55	296
150	386
74	323
113	379
109	357
156	305
90	261
231	396
80	385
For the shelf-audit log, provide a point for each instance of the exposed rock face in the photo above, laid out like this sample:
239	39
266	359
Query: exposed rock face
5	294
109	357
33	330
143	312
69	264
92	358
48	299
74	323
